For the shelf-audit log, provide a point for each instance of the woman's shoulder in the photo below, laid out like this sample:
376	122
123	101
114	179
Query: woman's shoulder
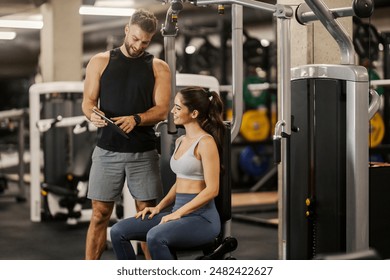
206	139
206	136
179	139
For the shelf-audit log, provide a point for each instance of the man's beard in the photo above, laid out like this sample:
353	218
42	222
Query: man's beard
130	52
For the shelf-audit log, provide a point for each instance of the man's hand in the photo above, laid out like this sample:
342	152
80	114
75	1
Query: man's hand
126	123
96	119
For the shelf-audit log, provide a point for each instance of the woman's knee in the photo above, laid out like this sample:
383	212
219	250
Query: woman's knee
116	232
155	238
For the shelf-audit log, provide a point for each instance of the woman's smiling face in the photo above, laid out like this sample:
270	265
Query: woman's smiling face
181	114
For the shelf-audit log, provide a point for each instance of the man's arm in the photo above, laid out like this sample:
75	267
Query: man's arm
161	94
94	70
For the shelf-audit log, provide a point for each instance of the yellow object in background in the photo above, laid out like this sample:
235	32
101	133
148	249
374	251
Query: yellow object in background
255	125
377	130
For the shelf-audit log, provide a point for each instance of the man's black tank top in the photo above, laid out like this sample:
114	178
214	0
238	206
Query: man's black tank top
126	88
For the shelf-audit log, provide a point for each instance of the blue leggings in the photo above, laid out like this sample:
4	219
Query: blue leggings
195	229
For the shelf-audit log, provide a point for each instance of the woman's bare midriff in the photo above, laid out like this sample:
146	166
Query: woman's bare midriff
189	186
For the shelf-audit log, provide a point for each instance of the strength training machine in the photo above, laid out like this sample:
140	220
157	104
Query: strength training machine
321	140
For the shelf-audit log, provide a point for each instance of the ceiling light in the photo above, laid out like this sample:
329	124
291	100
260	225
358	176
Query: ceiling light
265	42
190	49
28	24
105	11
5	35
115	3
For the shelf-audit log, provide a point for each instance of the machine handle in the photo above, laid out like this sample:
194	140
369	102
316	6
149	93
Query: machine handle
375	103
277	143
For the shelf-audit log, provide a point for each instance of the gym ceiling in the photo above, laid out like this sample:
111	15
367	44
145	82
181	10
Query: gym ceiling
19	57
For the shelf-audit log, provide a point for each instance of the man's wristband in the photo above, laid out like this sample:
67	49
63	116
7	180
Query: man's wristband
137	119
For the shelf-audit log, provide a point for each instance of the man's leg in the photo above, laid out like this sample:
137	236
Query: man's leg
97	231
140	205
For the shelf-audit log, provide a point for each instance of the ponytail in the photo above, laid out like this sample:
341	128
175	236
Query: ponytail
213	123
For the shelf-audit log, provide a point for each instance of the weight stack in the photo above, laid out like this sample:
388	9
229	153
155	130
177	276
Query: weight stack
327	192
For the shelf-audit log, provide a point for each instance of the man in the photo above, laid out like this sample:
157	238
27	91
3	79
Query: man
132	88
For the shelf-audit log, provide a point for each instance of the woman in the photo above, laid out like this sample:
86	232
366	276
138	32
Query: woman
194	220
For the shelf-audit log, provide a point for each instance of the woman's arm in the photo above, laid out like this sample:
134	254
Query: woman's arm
168	199
165	202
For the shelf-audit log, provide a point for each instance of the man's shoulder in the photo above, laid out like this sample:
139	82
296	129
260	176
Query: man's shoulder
100	57
99	61
158	60
160	64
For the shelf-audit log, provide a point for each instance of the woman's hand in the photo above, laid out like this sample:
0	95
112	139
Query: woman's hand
152	210
170	217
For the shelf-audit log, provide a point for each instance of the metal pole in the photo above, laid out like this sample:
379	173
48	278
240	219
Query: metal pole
170	58
362	9
237	71
246	3
335	29
357	190
22	187
284	111
169	31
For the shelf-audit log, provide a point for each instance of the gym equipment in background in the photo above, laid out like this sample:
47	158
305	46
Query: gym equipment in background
254	53
17	117
67	199
366	39
377	124
325	156
255	98
377	130
254	160
256	125
60	153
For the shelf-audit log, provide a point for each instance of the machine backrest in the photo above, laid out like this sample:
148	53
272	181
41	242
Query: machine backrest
223	200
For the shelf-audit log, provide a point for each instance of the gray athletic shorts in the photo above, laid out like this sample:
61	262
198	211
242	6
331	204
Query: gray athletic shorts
110	169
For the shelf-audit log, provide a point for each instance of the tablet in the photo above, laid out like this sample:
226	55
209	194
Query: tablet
111	124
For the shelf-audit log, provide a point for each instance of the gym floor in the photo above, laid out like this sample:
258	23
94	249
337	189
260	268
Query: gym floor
21	239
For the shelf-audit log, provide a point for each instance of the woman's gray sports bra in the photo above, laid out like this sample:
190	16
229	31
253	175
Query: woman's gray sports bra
187	166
